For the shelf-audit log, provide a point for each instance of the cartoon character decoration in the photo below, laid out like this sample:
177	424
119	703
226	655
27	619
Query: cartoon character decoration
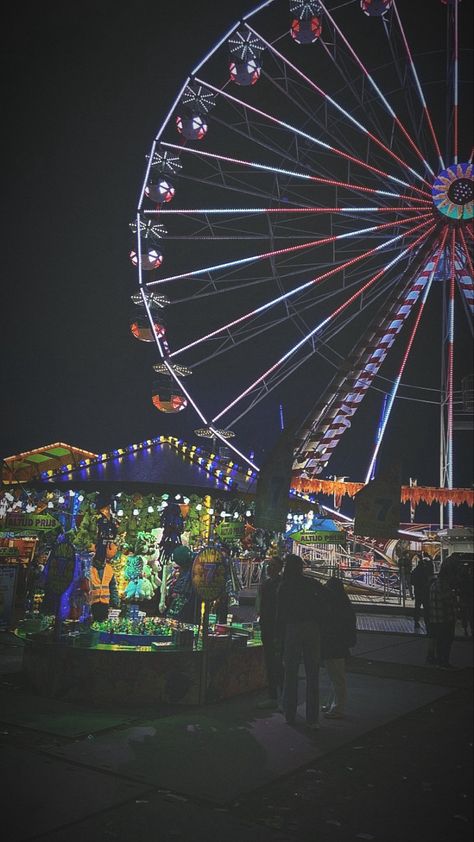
142	580
183	601
103	589
172	523
59	574
105	546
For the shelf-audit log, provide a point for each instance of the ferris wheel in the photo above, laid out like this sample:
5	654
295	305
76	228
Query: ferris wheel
304	192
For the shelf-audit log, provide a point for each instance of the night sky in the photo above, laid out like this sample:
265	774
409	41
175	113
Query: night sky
88	85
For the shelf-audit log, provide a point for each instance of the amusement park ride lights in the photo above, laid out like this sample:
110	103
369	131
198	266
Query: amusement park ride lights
302	183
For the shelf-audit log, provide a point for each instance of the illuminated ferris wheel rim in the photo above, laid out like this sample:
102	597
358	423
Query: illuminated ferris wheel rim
420	197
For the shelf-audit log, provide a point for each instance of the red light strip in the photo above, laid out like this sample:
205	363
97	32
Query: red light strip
292	292
419	88
342	110
322	324
288	250
313	139
317	179
379	92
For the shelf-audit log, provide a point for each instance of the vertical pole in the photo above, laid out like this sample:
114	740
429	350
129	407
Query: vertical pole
442	403
204	652
455	82
413	484
451	373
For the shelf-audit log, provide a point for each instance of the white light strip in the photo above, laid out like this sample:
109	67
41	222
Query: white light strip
418	85
372	82
307	136
215	48
337	106
315	330
242	261
258	9
289	294
292	173
232	447
217	211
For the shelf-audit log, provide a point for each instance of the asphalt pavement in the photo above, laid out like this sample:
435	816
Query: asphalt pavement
398	767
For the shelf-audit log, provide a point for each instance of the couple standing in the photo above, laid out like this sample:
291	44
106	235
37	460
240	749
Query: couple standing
301	619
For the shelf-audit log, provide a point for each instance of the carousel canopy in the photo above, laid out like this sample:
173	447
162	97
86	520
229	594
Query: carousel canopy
30	464
160	462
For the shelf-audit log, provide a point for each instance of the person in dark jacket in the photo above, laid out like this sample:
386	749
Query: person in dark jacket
338	634
267	613
298	614
421	578
442	615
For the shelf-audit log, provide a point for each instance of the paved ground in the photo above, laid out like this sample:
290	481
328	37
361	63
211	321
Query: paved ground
398	768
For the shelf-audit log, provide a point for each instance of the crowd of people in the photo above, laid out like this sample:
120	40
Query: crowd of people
303	620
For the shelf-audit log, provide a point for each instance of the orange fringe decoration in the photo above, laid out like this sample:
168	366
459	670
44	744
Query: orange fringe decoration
416	494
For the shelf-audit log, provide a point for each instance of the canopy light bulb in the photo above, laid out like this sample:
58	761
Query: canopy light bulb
80	498
198	507
236	514
177	497
60	499
186	500
136	512
210	511
248	513
120	513
150	510
71	493
50	505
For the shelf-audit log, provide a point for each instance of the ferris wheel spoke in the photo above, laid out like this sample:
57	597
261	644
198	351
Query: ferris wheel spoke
288	250
466	281
281	211
338	107
322	324
249	331
456	80
450	373
411	339
418	87
300	288
295	130
294	174
378	91
320	347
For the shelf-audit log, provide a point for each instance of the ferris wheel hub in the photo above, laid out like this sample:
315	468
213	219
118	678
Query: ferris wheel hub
453	192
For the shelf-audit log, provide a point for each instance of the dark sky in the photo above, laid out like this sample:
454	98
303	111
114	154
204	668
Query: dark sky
88	85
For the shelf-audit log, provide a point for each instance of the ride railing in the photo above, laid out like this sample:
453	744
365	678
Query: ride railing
249	573
378	582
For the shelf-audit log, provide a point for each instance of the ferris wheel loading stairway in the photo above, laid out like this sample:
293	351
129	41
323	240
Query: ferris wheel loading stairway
330	416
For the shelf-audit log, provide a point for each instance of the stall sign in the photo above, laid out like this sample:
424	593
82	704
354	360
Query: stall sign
230	531
377	509
209	574
8	577
17	550
9	552
32	522
273	485
320	536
